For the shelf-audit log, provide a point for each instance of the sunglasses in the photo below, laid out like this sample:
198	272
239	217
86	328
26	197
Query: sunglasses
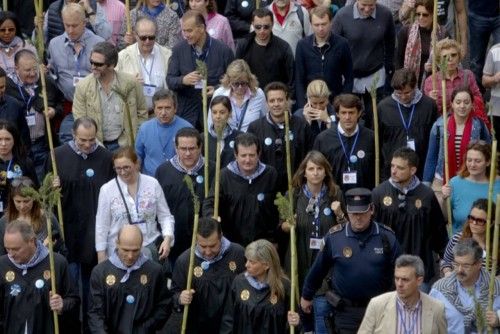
239	84
4	30
96	64
476	221
262	26
22	182
144	38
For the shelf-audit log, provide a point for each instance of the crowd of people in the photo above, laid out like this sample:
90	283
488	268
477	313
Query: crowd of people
303	87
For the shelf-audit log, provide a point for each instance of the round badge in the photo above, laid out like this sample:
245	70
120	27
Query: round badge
10	276
260	197
327	211
89	172
418	203
273	299
130	299
199	179
387	200
347	251
232	266
244	4
174	6
197	271
231	144
144	279
46	275
361	154
40	283
205	265
268	141
211	32
291	135
245	294
353	159
110	280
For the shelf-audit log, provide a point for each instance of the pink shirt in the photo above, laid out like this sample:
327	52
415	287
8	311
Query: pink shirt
115	13
218	27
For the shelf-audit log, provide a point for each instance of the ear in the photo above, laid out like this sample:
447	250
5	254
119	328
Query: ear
420	280
413	170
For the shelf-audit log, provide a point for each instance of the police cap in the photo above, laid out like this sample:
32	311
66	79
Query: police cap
358	200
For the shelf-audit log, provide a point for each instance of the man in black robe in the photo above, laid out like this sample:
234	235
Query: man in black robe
247	194
411	209
83	167
128	292
349	146
26	300
270	130
217	262
187	161
405	119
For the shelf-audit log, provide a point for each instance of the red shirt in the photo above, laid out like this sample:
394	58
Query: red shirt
279	17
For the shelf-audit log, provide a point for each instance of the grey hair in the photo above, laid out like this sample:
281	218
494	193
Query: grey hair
22	227
407	260
468	246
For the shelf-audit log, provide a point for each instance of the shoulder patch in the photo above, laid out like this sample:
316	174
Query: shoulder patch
336	228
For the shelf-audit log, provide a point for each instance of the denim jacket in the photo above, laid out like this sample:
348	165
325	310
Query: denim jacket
435	155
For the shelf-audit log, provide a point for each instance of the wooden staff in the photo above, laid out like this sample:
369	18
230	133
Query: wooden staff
201	67
443	66
127	16
5	6
291	219
218	130
41	70
373	93
433	45
493	175
257	4
494	258
196	204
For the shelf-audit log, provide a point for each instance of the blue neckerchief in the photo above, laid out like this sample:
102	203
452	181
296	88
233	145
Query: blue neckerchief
233	167
41	253
313	207
194	171
75	148
115	260
153	13
223	249
254	283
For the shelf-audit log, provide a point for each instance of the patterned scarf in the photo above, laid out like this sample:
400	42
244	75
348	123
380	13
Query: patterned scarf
41	253
153	13
176	163
254	283
414	182
115	260
13	44
75	148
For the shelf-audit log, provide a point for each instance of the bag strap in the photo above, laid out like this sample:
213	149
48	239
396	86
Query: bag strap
123	199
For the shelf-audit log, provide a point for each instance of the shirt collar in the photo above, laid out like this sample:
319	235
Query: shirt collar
342	132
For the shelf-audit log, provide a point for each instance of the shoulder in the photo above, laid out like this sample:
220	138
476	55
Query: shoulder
384	298
344	13
384	229
336	229
431	301
237	248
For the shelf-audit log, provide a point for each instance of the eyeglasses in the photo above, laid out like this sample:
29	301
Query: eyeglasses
239	84
187	149
466	266
476	221
123	169
143	38
450	55
22	181
422	14
4	30
262	26
96	64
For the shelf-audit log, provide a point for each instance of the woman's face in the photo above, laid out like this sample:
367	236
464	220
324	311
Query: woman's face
220	115
7	31
424	17
317	102
23	204
199	5
476	163
239	85
257	269
314	174
453	58
126	169
476	225
462	105
6	142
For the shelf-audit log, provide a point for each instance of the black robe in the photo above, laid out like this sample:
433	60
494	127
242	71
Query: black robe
81	180
180	202
227	154
328	143
211	288
419	225
251	311
26	298
246	208
141	305
393	134
272	142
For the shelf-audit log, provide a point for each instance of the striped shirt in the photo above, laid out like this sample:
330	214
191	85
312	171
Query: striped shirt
115	14
458	142
409	319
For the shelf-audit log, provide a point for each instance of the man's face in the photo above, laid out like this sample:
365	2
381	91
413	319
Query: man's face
348	118
145	36
98	65
165	110
85	138
406	94
467	269
401	172
188	151
19	250
210	247
277	103
247	159
366	7
407	282
360	221
263	27
74	26
321	26
281	4
3	81
27	70
192	33
129	250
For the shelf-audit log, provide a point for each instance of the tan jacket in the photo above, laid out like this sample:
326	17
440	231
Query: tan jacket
87	102
381	315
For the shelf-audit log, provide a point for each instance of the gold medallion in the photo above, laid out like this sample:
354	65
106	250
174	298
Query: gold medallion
232	266
197	271
387	200
144	279
46	275
418	203
9	276
347	251
110	280
245	294
273	299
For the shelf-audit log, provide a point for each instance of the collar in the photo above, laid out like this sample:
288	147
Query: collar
75	149
343	133
327	42
373	229
117	262
15	42
81	39
254	283
114	83
415	100
176	163
357	15
233	167
205	47
223	250
155	47
406	308
41	253
414	182
225	132
29	88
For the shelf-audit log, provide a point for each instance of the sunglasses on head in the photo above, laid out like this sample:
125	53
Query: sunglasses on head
22	182
144	38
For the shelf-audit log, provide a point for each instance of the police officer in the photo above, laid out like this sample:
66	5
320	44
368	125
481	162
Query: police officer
361	255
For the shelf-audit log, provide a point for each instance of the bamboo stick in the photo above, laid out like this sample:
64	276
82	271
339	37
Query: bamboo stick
445	143
5	6
494	258
53	287
201	67
373	93
433	45
218	130
127	16
196	204
493	175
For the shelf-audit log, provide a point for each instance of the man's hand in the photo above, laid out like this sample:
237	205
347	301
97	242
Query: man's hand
129	38
186	297
164	249
191	79
306	305
56	302
293	318
51	112
492	319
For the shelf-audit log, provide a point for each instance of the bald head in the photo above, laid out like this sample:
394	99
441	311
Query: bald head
129	244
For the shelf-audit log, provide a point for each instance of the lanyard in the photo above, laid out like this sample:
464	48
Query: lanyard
348	157
26	102
143	65
239	120
403	321
406	126
203	56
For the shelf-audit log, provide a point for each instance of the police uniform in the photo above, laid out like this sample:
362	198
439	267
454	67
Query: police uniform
362	264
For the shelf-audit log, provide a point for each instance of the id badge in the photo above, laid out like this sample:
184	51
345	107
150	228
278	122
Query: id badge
349	178
30	119
148	90
315	243
199	84
76	79
410	143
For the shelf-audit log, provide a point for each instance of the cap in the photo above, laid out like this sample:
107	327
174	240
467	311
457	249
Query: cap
358	200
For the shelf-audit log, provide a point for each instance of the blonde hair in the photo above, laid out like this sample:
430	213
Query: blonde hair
72	9
236	70
263	251
318	88
445	44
